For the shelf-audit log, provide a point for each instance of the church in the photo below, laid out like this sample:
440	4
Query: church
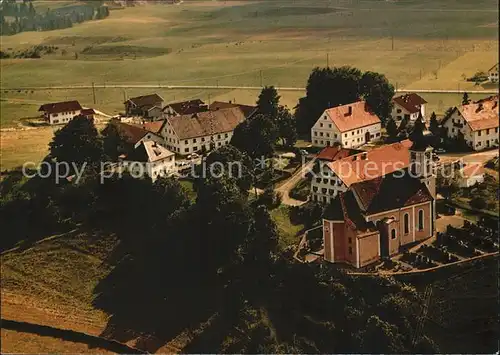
376	218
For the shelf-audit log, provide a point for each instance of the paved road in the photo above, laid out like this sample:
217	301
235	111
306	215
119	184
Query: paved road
479	157
286	186
214	87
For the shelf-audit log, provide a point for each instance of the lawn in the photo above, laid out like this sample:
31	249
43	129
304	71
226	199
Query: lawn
53	282
287	230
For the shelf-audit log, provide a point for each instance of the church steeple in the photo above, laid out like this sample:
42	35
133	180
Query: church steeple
421	157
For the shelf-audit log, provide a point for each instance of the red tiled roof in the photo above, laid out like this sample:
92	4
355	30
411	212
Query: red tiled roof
360	116
188	107
410	102
87	111
148	152
482	114
206	123
471	170
132	134
336	153
58	107
374	163
247	109
154	126
390	192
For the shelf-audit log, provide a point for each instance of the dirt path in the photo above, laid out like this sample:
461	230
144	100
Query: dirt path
70	335
285	187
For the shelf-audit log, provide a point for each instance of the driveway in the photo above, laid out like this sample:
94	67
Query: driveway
285	187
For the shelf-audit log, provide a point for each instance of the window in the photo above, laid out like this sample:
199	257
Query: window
352	133
393	234
350	240
218	136
318	180
185	142
378	134
453	130
398	110
479	133
194	140
321	142
335	135
327	143
218	144
350	250
487	131
328	134
421	220
226	135
496	130
357	132
345	135
329	126
332	182
321	134
315	141
186	150
195	149
321	124
202	139
407	223
316	133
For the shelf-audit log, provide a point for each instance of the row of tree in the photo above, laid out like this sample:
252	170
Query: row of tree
25	17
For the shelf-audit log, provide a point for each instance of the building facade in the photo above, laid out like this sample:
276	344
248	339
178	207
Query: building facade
377	218
493	74
149	159
477	123
349	125
147	106
60	112
408	107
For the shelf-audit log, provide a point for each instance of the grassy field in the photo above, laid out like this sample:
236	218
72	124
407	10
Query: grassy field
288	231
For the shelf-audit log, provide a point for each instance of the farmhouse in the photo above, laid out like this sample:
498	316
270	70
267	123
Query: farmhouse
248	110
376	218
476	123
470	175
340	174
147	106
135	134
408	107
202	131
149	158
60	112
184	108
350	125
493	74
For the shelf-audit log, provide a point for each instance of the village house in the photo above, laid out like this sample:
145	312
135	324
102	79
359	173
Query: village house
476	122
350	125
147	106
470	175
88	113
200	132
408	107
340	174
323	186
493	74
248	110
60	112
133	135
184	108
151	159
378	217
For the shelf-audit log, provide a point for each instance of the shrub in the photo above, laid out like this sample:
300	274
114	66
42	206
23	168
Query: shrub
478	203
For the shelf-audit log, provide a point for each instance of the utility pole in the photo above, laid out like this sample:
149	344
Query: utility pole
208	99
328	60
392	42
93	91
261	81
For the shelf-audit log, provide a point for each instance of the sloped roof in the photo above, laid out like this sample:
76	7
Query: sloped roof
495	67
360	116
374	163
345	208
390	192
471	170
187	107
58	107
206	123
333	153
410	102
481	114
149	152
87	111
248	110
154	126
146	100
131	133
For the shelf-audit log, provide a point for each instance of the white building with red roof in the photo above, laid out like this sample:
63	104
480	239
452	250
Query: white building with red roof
477	122
408	106
350	125
470	175
60	112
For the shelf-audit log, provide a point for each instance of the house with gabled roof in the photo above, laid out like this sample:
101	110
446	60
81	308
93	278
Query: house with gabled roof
477	122
248	110
184	108
201	131
147	106
408	107
350	125
60	112
149	159
378	217
493	74
339	175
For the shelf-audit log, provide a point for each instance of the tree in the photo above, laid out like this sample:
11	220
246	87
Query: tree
287	130
392	129
380	337
268	101
234	164
378	93
256	137
77	142
478	203
433	124
114	144
465	99
417	133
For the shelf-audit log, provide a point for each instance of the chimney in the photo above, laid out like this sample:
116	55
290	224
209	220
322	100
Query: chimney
349	111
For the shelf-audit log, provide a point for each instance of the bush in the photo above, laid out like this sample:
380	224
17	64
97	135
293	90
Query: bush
478	203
